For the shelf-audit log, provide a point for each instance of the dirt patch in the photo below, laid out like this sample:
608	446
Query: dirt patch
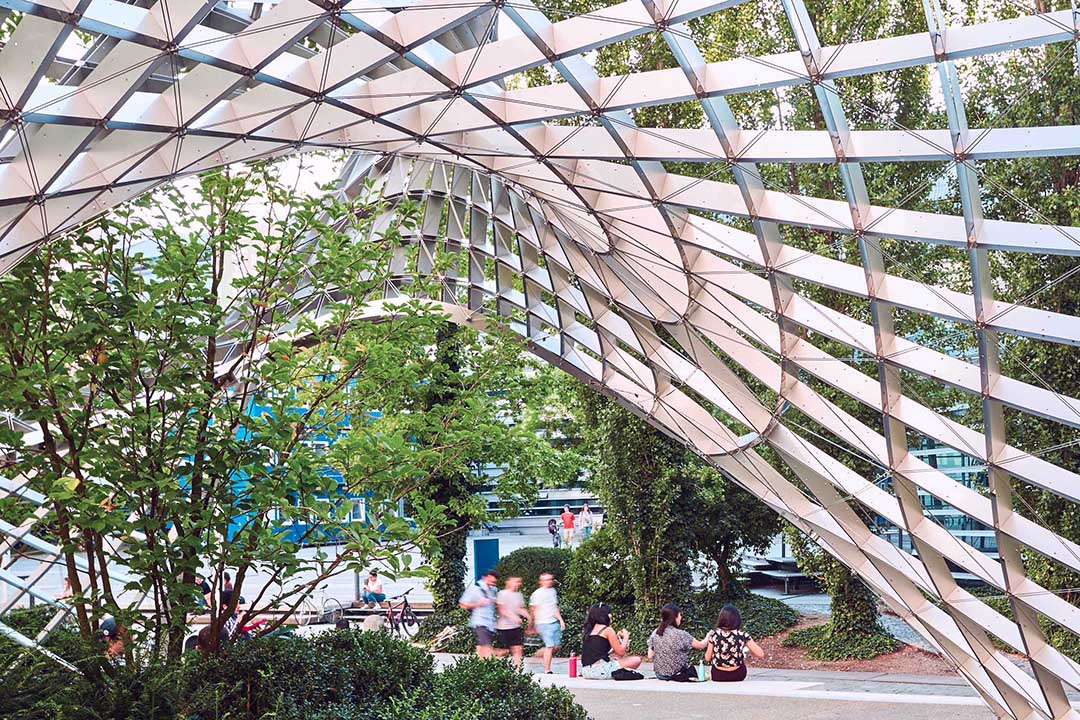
907	660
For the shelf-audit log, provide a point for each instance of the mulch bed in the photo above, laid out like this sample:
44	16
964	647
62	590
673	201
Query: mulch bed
907	660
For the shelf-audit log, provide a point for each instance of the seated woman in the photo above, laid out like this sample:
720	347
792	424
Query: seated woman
600	642
669	647
728	645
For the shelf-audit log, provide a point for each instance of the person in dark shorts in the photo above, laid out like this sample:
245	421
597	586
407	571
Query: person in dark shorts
479	600
510	607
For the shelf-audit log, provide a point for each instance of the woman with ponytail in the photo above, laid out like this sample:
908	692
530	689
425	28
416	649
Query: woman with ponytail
669	647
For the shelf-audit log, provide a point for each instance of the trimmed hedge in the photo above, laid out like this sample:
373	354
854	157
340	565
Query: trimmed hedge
528	562
293	678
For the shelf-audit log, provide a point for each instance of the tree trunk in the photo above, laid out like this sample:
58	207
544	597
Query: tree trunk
854	607
448	569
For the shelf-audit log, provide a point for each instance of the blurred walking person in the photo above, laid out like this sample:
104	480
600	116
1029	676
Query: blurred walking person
510	606
479	600
546	618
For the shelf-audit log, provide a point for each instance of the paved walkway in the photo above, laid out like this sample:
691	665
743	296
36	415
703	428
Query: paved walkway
771	694
612	704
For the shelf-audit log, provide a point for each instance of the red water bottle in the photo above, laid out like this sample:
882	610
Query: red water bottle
573	665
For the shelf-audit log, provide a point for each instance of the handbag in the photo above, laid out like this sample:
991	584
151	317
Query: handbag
624	674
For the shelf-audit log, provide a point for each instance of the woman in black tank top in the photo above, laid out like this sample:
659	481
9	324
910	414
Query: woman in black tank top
595	647
599	642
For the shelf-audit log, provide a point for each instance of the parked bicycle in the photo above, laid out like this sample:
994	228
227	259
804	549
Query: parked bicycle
319	608
401	618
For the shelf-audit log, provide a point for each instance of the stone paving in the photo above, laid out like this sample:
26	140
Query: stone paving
617	704
770	694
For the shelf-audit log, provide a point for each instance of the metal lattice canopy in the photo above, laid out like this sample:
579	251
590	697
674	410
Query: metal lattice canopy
626	274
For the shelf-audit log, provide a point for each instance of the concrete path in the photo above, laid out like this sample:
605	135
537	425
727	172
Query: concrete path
773	694
770	694
611	704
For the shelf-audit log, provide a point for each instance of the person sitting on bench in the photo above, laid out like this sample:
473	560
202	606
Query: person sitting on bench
373	590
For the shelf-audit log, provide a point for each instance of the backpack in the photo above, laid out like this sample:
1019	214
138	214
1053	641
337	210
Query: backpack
624	674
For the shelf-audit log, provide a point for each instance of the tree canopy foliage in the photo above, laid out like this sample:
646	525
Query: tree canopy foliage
210	396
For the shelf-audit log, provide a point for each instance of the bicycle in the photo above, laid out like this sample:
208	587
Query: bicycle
402	620
322	609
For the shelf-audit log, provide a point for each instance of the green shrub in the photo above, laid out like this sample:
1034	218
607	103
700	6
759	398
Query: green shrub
339	675
295	677
528	562
821	643
35	687
762	616
598	572
471	689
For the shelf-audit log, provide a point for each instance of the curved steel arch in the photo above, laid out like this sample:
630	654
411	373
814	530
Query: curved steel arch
610	265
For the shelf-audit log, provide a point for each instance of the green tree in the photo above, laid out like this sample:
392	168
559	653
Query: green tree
645	483
1034	87
727	522
465	364
185	358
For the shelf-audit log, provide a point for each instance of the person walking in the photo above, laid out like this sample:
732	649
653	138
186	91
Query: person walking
568	519
670	646
546	618
373	590
585	519
728	646
510	607
479	600
553	529
599	642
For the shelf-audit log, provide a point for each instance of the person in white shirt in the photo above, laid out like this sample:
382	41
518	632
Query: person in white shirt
373	590
510	606
546	618
586	519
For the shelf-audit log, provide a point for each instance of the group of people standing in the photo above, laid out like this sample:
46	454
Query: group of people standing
604	651
565	529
